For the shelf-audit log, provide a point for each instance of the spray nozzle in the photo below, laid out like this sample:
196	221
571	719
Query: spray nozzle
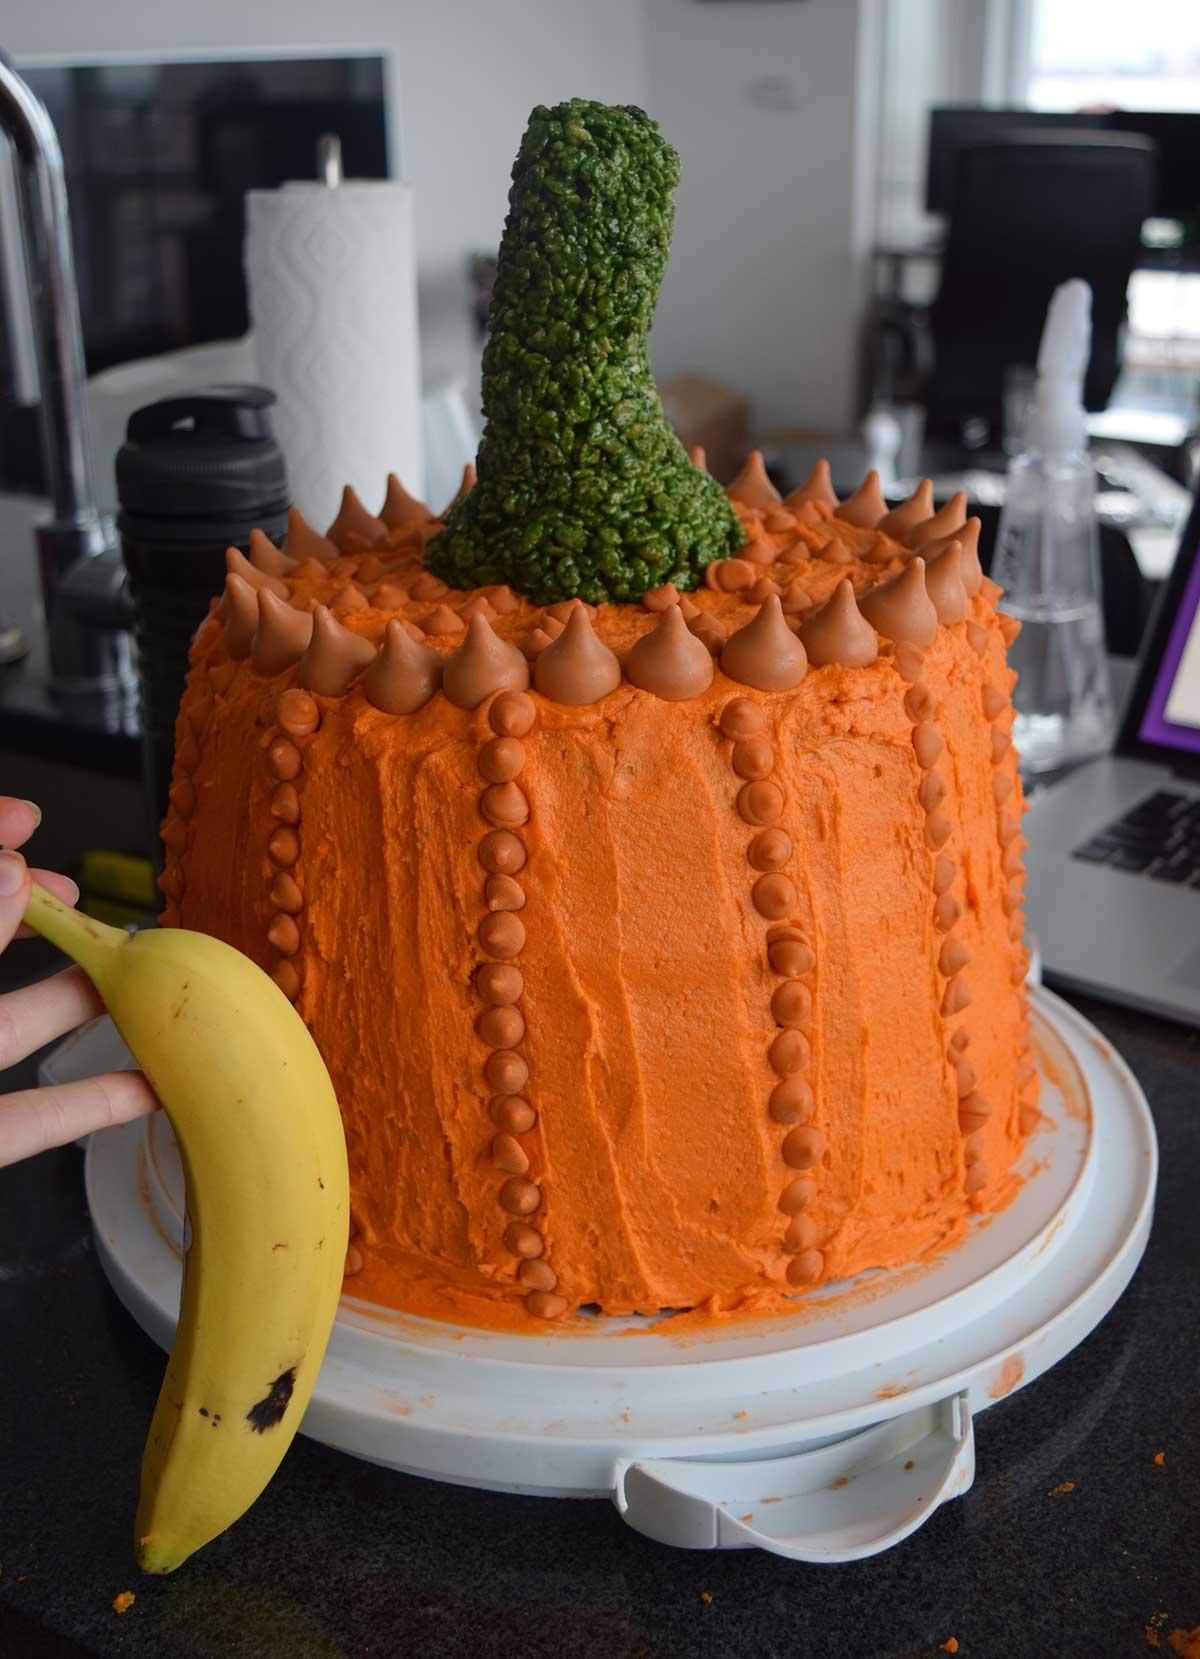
1059	422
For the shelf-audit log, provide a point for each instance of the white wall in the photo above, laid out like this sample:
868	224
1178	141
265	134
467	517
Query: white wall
764	103
469	71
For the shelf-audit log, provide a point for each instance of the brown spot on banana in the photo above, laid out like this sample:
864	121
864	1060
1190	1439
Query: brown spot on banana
269	1410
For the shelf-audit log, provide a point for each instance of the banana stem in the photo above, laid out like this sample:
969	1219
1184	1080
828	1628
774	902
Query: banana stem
85	940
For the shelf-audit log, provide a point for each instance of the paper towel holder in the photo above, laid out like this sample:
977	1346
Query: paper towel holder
329	159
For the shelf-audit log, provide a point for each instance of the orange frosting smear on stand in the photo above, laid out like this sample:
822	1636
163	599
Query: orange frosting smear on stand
656	989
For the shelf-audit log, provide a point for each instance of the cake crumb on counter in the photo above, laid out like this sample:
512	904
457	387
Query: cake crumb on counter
1063	1486
124	1601
950	1645
1186	1643
1159	1459
706	1596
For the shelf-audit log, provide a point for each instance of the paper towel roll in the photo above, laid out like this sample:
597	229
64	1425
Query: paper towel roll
331	276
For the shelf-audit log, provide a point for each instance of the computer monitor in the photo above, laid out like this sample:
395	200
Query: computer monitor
953	127
159	156
1176	134
1162	717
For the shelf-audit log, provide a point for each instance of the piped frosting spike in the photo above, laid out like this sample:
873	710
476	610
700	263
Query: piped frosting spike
334	657
968	540
910	513
469	480
577	667
670	661
404	674
353	519
303	542
866	506
265	556
238	611
698	456
839	633
900	609
752	487
944	584
399	508
765	653
281	637
482	664
949	519
818	486
237	564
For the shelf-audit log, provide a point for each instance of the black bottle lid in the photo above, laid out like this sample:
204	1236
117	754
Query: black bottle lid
204	466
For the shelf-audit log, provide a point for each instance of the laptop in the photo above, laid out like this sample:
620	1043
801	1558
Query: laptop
1114	849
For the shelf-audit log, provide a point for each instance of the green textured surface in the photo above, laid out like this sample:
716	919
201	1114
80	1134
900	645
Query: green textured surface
583	487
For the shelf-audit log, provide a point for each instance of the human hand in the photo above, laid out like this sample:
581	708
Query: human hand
32	1120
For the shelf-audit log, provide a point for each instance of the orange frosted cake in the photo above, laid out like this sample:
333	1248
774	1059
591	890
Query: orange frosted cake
664	941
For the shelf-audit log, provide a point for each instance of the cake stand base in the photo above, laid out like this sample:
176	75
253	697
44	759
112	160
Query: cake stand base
826	1434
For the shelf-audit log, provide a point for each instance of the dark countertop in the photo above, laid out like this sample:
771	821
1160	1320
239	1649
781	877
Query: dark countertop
343	1559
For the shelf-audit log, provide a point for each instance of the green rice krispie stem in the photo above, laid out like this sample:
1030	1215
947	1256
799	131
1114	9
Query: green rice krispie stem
583	488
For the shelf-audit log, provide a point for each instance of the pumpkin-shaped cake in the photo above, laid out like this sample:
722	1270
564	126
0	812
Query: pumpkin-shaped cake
655	900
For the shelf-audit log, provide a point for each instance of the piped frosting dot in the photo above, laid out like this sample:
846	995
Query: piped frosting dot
806	1268
788	1053
742	718
239	614
303	542
765	653
670	662
265	556
502	934
818	486
501	852
284	759
760	803
404	674
499	983
791	956
900	608
522	1240
503	893
400	508
502	1027
791	1101
505	805
577	668
237	564
839	633
866	506
513	1113
753	757
803	1147
914	510
353	520
774	896
481	665
797	1195
752	487
281	637
506	1071
501	759
948	519
297	713
334	656
520	1197
944	584
769	851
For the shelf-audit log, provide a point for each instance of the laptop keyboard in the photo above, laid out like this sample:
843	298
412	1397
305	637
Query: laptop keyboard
1159	837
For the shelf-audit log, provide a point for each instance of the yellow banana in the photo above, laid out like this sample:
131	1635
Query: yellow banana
264	1160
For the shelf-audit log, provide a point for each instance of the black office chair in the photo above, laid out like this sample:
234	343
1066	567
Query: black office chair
1028	211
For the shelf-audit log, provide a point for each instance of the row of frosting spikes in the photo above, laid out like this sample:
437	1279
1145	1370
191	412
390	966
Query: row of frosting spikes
913	523
577	667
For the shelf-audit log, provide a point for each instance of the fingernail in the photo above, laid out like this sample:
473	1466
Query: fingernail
12	874
37	812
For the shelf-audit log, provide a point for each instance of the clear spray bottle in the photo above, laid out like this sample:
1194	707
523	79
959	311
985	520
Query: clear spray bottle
1047	557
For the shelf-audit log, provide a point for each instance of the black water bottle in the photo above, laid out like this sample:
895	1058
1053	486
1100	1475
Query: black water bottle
195	475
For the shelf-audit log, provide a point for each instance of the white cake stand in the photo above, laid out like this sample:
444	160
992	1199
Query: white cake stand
824	1435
